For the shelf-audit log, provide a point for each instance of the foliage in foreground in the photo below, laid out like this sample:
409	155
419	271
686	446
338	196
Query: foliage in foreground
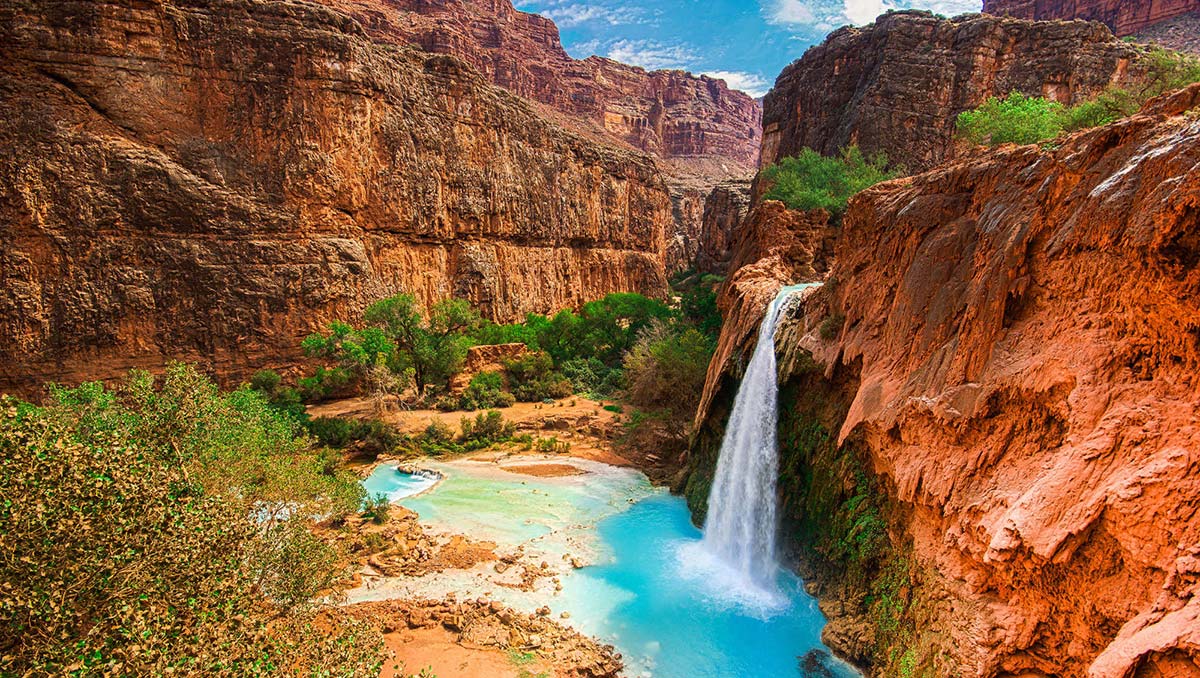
1020	119
812	181
161	527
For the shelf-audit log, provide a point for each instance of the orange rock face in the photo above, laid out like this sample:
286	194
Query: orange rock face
1017	340
1122	16
724	210
700	131
774	247
211	181
486	358
693	120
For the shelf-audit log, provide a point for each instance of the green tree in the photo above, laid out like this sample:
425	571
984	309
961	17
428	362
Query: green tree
609	327
811	181
434	349
665	370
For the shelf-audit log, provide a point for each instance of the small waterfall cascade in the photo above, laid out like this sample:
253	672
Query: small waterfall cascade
741	523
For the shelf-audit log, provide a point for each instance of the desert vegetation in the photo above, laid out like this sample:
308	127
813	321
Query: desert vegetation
1020	119
812	181
623	345
162	527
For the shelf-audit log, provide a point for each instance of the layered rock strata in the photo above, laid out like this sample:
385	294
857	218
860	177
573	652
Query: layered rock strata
211	181
1122	16
896	86
724	210
700	131
696	120
989	412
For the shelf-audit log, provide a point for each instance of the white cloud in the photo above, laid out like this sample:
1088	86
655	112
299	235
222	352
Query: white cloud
568	15
751	84
824	15
789	12
651	55
861	12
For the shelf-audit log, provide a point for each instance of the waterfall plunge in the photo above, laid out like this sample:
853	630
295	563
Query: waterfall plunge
741	523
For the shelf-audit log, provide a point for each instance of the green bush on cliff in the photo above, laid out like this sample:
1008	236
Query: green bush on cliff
1022	119
161	528
812	181
1014	119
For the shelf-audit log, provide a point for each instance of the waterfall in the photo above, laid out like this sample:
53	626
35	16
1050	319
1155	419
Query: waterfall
741	523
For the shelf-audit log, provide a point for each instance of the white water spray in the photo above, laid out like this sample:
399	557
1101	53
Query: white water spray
741	523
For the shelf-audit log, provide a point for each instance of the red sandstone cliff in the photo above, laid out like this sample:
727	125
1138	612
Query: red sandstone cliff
212	180
1124	17
701	131
724	210
1010	348
897	85
696	122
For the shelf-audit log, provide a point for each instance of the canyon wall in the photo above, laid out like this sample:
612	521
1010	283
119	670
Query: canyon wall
700	131
696	121
725	209
211	181
990	456
1124	17
898	84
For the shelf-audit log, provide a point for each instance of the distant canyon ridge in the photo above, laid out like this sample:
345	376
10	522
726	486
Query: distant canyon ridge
1173	23
212	181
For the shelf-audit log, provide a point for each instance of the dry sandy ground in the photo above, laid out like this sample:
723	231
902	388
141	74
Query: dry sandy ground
560	420
440	650
548	470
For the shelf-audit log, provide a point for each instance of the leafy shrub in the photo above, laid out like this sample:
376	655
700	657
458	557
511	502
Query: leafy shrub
486	391
553	445
1015	119
265	381
811	181
331	431
376	508
591	375
325	383
534	378
289	401
515	333
1024	119
616	409
485	430
699	307
369	438
666	369
153	510
1087	114
438	432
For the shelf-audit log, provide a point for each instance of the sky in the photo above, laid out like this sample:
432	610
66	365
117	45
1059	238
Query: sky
745	42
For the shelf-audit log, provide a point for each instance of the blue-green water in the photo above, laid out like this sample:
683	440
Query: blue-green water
394	485
653	591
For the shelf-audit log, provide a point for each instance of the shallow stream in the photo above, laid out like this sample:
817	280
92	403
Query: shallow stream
649	588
